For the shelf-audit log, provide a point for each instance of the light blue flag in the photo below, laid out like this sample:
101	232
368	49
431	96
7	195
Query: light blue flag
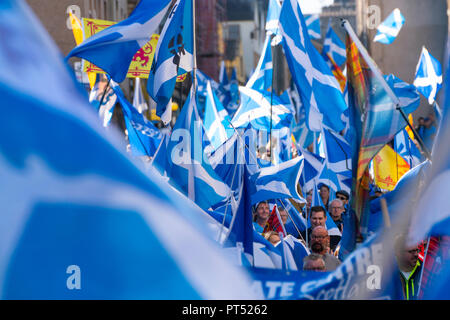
75	207
311	169
389	29
334	47
407	149
255	109
278	181
143	136
261	78
428	79
319	90
216	122
113	48
338	153
329	177
406	93
273	15
188	168
173	56
232	106
224	86
313	24
106	109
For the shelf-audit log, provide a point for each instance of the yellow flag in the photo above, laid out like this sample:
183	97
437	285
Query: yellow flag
142	60
388	168
76	28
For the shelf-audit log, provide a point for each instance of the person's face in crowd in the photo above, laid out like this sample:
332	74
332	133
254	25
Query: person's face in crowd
319	240
315	265
283	215
410	255
336	209
324	194
342	198
308	200
318	219
421	121
262	211
274	239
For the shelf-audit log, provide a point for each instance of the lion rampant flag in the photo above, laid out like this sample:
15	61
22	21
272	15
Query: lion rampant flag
388	168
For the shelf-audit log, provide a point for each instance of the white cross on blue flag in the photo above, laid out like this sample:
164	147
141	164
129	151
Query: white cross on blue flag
389	29
428	78
319	90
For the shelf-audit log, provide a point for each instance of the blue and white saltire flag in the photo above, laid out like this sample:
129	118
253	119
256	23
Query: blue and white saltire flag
138	98
338	152
173	56
261	78
428	79
143	136
407	149
234	93
273	15
316	200
63	176
319	91
406	93
311	169
278	182
389	29
113	48
216	123
313	25
255	109
188	169
334	47
106	109
329	177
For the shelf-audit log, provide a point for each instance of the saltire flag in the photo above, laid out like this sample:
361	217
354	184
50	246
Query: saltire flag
376	99
333	47
407	148
428	78
188	168
296	223
224	86
311	169
338	153
234	91
389	29
388	168
160	162
63	176
143	136
173	57
313	24
113	48
273	16
255	109
138	98
106	109
216	124
329	178
319	90
278	181
261	78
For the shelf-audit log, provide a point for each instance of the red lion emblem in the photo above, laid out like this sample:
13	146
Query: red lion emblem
142	55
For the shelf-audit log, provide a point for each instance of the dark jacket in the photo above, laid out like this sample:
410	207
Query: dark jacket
410	286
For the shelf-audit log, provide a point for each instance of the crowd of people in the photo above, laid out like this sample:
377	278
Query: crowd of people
324	247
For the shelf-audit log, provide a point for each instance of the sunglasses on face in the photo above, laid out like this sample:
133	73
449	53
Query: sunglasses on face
342	198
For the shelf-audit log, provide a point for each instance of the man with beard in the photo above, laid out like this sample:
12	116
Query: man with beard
320	242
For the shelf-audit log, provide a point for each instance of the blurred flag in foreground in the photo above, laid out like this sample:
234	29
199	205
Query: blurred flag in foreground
77	209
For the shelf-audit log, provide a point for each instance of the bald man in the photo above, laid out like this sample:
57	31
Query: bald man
320	244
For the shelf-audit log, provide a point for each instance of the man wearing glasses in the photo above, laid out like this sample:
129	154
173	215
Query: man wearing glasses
336	210
320	244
